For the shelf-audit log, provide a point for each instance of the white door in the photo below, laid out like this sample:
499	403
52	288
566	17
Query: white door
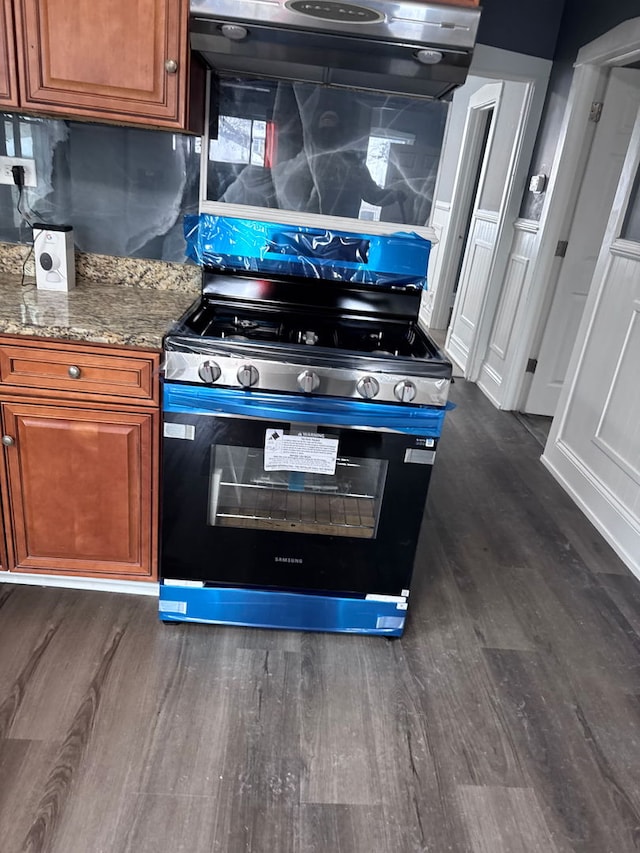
594	444
481	230
599	184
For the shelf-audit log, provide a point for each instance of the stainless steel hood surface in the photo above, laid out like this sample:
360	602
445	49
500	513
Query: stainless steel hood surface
410	47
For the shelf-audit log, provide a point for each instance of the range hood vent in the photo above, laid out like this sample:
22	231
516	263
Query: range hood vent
409	47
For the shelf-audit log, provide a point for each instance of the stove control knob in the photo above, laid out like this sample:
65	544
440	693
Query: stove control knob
368	387
209	372
405	391
308	381
248	375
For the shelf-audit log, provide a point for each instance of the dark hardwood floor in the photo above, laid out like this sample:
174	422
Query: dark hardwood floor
506	720
538	425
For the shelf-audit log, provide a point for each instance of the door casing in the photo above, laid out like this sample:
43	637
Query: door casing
620	46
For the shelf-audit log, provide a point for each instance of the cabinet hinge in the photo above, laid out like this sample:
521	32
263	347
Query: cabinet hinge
595	112
532	365
561	248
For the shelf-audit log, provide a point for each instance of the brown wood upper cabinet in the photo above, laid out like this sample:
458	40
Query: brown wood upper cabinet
8	75
115	60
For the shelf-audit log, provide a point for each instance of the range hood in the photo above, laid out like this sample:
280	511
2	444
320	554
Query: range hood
409	47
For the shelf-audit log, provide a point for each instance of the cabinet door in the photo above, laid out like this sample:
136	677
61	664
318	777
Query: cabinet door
80	485
8	81
105	60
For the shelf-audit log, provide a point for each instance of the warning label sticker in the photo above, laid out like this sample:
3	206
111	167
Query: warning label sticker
311	454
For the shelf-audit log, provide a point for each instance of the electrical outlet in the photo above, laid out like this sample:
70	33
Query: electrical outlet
6	175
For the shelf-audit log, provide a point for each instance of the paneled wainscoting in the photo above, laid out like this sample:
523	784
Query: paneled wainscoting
504	343
506	720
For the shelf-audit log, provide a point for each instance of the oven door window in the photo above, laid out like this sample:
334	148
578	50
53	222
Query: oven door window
243	494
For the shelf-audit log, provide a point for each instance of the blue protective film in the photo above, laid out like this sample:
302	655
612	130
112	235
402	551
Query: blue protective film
425	421
294	611
399	259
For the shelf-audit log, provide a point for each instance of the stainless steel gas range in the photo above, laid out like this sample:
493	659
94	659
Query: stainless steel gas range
301	420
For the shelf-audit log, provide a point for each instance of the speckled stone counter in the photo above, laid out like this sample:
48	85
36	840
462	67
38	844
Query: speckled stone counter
155	275
118	301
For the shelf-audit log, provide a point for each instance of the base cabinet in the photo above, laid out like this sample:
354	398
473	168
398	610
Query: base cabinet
80	487
80	438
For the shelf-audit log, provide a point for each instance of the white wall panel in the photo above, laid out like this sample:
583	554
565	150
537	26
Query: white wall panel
478	273
473	282
562	349
440	217
594	445
501	340
618	433
514	280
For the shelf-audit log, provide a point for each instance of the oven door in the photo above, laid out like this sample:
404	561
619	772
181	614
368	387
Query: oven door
272	491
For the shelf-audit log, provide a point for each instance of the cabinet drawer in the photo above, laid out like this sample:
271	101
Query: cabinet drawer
51	367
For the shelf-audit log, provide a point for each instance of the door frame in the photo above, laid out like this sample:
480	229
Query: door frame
559	320
490	64
619	46
510	202
463	195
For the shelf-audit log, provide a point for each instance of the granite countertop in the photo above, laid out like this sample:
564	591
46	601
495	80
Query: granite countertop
105	312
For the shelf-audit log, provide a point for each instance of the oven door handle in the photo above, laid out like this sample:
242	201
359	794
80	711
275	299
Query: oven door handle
413	420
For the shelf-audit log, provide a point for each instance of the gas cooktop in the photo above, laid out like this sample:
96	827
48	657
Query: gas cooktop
314	337
390	338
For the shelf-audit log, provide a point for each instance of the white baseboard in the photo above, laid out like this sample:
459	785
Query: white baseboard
70	582
607	515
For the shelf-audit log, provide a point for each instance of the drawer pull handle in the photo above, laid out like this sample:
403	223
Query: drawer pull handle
171	66
74	372
8	440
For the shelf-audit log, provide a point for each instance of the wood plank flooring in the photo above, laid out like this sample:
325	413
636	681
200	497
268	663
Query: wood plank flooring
506	720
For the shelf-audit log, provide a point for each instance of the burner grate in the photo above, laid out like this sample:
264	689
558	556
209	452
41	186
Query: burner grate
375	337
238	327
